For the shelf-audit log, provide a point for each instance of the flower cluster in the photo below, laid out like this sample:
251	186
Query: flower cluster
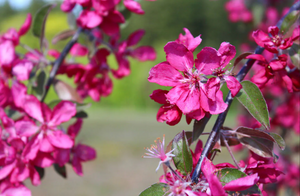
219	179
101	21
276	73
32	133
195	83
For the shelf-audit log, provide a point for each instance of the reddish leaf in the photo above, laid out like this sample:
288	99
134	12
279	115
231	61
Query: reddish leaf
66	92
63	35
241	57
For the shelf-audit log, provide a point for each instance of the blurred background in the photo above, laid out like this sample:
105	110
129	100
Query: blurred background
122	124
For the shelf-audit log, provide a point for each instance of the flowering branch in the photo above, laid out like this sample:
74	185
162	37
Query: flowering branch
59	61
215	133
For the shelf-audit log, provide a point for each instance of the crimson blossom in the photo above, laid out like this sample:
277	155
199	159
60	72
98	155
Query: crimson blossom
192	91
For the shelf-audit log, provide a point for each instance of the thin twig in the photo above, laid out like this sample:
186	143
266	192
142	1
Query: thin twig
59	61
230	152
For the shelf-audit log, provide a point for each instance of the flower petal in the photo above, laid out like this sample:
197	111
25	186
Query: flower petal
242	183
133	6
32	107
207	60
164	74
179	56
26	128
60	140
62	112
26	25
233	85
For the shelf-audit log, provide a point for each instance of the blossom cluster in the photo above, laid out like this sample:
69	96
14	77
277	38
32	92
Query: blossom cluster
195	83
276	73
216	179
33	136
101	20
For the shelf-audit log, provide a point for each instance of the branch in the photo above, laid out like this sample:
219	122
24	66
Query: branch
215	133
59	61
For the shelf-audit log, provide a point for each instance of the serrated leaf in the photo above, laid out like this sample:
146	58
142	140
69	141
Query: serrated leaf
60	170
39	22
199	126
251	98
41	82
279	140
226	175
183	158
63	35
241	57
66	92
158	189
288	21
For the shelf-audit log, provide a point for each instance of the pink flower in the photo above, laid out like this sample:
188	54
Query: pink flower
238	11
78	50
125	49
224	55
242	183
22	69
89	19
271	69
188	40
11	190
82	153
276	41
159	152
189	90
263	167
48	137
26	25
133	6
169	113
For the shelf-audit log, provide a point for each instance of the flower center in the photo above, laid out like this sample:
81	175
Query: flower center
276	40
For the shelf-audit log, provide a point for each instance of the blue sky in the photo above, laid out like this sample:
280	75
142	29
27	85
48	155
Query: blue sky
20	4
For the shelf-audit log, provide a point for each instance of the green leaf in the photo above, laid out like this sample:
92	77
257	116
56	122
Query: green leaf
251	98
60	170
41	82
158	189
183	158
71	20
39	21
63	36
41	171
288	21
241	57
81	114
199	126
258	12
279	140
226	175
294	52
